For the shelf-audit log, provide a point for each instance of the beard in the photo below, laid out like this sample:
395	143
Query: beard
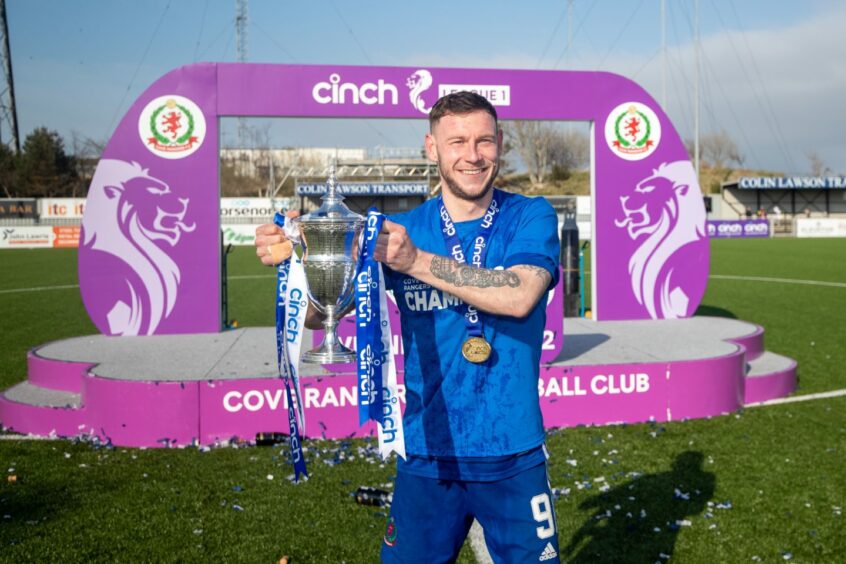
459	192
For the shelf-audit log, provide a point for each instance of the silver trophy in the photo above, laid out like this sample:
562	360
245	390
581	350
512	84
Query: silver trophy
330	237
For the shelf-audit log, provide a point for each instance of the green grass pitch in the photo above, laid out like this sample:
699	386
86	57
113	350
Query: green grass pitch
771	485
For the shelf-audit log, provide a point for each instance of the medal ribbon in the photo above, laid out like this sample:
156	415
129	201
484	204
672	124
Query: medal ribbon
291	307
477	259
378	397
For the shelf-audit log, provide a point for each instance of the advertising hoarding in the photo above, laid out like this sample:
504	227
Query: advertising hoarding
61	208
22	208
820	227
731	228
259	208
39	237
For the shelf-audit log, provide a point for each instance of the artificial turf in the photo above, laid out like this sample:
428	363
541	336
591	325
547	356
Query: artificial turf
766	483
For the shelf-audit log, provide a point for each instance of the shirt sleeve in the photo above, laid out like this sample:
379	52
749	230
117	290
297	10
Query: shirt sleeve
535	240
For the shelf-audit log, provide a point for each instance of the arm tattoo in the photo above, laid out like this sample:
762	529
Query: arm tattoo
539	271
459	274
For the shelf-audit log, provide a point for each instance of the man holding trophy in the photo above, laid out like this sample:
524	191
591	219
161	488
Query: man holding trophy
470	272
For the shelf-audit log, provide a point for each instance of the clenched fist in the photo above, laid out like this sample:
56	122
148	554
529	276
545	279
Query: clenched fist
395	248
272	247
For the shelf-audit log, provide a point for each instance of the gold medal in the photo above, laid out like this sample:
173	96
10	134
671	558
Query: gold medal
476	349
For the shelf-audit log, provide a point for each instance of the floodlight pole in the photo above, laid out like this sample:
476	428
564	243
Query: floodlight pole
696	49
241	17
7	99
664	54
569	32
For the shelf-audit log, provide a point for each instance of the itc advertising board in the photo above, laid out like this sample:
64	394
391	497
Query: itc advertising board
61	208
149	252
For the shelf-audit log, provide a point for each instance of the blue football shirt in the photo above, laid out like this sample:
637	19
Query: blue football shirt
455	408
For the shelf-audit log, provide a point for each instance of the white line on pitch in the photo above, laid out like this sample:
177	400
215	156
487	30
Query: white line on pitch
71	286
794	399
39	289
717	276
780	280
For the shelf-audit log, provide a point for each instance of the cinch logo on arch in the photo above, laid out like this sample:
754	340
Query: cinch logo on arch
337	91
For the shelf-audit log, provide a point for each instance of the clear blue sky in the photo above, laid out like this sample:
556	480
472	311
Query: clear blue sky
774	72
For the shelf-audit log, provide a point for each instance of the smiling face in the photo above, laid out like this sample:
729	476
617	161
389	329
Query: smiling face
466	148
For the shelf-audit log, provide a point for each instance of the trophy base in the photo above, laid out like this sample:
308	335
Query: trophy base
331	350
339	355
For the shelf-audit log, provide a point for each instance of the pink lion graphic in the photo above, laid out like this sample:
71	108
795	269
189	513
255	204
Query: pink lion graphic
666	213
135	219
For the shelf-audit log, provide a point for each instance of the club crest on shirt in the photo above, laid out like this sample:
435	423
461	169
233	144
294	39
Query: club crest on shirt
390	537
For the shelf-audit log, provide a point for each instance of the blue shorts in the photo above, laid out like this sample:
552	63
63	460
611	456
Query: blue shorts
430	518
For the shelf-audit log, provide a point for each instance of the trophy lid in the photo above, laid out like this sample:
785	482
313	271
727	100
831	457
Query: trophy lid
333	209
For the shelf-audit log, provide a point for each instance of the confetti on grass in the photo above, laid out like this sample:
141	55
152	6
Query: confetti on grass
678	494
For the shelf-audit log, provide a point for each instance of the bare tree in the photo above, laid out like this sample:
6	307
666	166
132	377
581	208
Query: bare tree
719	150
543	147
571	150
816	164
86	152
531	140
263	159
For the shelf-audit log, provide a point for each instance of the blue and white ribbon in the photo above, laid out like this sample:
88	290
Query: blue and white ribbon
378	397
291	308
369	354
477	259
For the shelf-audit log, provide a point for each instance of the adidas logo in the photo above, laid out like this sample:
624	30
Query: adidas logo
548	553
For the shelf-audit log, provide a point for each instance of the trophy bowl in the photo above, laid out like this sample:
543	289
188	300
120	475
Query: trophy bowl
330	237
